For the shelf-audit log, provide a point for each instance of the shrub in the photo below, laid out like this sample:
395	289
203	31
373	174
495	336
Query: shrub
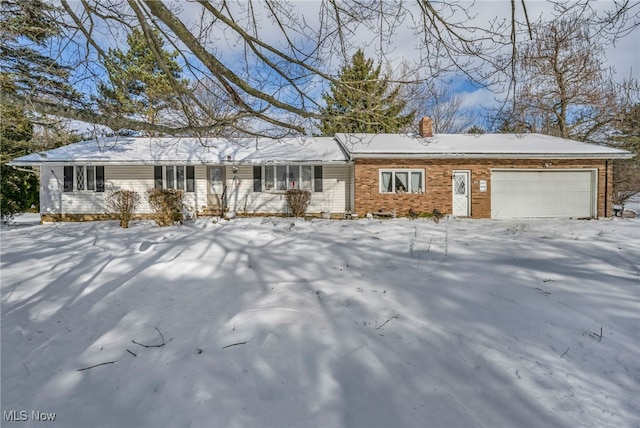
122	204
298	201
166	205
434	215
18	192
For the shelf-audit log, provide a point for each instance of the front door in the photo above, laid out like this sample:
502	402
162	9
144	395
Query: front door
215	194
461	193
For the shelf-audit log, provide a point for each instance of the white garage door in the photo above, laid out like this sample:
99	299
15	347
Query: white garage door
519	193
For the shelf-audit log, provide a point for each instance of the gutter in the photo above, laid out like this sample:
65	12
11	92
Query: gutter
493	156
179	162
17	168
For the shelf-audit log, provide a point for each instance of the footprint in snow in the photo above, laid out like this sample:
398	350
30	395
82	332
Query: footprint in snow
145	246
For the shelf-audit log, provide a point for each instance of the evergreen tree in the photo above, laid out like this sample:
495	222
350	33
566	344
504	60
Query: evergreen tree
475	129
363	101
138	82
18	189
26	28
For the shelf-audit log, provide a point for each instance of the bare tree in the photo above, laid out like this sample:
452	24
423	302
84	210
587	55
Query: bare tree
446	108
272	59
626	173
564	87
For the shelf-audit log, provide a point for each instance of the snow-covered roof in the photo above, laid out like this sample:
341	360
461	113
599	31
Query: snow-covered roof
128	150
514	146
342	148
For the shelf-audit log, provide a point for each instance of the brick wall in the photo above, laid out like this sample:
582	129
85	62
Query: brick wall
438	193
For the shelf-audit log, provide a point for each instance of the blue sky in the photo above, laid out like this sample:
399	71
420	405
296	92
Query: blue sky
624	56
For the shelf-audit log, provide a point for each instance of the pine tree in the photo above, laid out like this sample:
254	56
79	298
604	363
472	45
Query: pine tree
363	101
138	82
26	28
475	129
18	189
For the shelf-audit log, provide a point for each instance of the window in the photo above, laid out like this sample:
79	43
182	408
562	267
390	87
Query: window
68	179
317	174
157	177
280	178
83	178
306	177
180	178
402	181
191	179
174	177
80	181
257	179
91	178
169	177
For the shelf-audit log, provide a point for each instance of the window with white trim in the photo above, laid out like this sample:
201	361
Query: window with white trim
179	177
280	178
83	178
402	181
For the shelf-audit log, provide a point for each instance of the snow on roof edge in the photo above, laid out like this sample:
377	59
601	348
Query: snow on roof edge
342	148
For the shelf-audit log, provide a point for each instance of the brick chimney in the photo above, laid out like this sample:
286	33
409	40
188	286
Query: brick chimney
425	128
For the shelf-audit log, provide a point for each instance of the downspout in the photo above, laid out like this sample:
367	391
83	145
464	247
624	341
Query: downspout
606	187
352	177
59	193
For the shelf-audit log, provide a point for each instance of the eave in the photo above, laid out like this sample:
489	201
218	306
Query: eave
604	156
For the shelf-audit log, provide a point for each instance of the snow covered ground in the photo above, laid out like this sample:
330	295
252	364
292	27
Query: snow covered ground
266	322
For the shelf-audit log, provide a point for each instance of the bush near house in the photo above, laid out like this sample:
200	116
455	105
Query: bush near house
166	205
122	204
434	215
298	201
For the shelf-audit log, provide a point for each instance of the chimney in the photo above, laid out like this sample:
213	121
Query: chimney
425	128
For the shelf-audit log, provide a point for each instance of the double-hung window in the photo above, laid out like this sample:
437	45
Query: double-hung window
402	181
179	177
83	178
279	178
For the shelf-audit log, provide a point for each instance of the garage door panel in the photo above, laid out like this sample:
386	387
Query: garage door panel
520	193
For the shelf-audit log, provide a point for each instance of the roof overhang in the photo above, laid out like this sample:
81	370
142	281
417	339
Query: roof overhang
603	156
174	162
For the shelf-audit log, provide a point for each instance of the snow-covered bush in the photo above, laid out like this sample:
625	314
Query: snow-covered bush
122	204
166	205
298	201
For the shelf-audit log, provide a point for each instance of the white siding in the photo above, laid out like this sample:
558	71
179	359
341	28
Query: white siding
51	182
138	178
198	199
54	201
242	199
334	194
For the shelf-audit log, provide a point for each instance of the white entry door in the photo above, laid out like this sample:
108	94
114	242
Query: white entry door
461	193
